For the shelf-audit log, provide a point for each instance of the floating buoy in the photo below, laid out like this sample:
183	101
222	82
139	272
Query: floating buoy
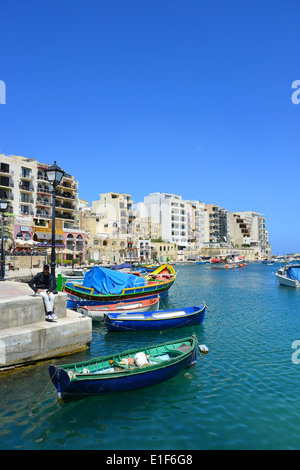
202	348
245	264
226	266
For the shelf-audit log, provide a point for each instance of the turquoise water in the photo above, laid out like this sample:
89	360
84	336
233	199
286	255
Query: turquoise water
242	395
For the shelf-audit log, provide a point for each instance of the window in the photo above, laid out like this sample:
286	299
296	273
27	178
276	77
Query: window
24	197
26	172
79	243
24	210
70	242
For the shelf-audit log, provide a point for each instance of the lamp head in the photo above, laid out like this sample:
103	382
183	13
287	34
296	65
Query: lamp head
54	174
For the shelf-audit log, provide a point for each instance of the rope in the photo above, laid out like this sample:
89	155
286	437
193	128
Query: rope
42	392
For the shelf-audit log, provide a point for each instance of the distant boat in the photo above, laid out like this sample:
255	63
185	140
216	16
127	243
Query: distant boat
96	312
154	320
289	275
129	370
231	260
268	261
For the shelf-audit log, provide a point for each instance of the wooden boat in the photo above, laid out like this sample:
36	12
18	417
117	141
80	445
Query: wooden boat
79	295
151	267
132	369
96	312
156	320
163	273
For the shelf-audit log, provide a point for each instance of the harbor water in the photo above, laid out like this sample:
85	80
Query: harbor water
242	395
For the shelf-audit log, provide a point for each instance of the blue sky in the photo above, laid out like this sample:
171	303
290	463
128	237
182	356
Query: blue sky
190	97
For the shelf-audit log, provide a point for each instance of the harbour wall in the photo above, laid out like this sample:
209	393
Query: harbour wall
26	337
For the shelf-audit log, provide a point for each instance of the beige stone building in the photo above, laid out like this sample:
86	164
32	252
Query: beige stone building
24	183
248	229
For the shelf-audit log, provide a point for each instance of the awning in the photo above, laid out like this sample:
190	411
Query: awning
43	235
25	242
66	251
48	236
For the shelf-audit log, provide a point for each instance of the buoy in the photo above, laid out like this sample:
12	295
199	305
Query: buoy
226	265
245	264
203	348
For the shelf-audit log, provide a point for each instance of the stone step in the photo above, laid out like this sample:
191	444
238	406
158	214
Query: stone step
28	309
41	340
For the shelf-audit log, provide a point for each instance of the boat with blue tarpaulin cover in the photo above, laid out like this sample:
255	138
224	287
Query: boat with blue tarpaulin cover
103	285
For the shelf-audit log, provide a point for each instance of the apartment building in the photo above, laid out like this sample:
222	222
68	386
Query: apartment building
115	213
171	212
144	226
248	228
196	224
216	226
24	183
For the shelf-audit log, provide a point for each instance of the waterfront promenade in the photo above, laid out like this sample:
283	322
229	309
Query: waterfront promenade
25	335
10	289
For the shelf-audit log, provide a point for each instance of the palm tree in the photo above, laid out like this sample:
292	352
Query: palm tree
8	235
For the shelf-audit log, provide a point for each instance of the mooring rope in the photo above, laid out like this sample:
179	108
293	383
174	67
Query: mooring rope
42	392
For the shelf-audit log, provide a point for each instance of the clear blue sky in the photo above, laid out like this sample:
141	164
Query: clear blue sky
191	97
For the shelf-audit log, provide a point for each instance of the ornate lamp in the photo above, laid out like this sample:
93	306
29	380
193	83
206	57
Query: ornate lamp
3	207
54	175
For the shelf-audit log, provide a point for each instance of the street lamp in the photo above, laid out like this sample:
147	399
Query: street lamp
73	256
54	175
3	207
129	246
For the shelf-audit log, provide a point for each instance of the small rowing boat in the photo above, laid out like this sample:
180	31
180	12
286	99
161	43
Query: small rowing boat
154	320
129	370
96	312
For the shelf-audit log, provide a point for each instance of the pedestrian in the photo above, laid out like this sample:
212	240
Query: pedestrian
42	284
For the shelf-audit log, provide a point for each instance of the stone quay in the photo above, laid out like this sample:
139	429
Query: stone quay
25	336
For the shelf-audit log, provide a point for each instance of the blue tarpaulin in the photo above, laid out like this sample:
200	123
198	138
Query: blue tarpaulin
106	281
293	272
116	267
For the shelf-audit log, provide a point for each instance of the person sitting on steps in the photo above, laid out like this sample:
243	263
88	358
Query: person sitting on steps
42	284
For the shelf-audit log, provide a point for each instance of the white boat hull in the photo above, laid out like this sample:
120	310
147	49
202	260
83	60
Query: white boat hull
97	313
285	281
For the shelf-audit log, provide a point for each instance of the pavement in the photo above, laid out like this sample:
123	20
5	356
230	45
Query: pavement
13	287
15	283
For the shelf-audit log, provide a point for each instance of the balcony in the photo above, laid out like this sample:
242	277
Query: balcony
25	187
5	183
42	214
4	170
42	190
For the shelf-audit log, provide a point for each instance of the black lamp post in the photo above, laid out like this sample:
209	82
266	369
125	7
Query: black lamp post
129	246
54	175
3	207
